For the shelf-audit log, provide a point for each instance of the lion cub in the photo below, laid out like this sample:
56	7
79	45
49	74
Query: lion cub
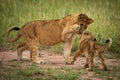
89	47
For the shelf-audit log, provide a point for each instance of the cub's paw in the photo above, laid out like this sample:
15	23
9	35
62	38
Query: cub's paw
86	66
41	62
70	60
77	29
89	69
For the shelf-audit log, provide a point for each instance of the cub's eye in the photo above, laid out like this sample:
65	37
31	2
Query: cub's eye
81	24
80	17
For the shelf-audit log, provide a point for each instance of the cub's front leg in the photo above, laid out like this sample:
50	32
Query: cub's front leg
68	32
67	48
68	35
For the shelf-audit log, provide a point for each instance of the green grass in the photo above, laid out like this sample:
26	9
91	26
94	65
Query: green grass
29	71
33	72
108	75
106	14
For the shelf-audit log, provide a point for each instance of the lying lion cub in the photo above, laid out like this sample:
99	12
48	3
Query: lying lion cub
88	47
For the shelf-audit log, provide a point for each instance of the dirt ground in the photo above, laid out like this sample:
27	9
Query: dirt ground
51	59
56	61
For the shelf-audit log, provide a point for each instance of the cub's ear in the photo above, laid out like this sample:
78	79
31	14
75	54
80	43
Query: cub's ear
89	21
95	39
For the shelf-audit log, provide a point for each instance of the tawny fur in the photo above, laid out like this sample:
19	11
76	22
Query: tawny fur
50	32
89	47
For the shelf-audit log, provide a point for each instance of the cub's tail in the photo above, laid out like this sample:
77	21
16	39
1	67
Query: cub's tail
108	43
102	48
8	33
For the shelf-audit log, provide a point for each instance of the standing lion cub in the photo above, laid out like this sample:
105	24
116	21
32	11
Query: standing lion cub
89	47
50	32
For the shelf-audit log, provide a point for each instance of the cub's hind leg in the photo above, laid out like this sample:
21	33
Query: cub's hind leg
86	63
33	47
20	49
86	54
91	61
103	62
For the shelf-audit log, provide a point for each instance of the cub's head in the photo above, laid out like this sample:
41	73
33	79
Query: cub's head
87	35
82	21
